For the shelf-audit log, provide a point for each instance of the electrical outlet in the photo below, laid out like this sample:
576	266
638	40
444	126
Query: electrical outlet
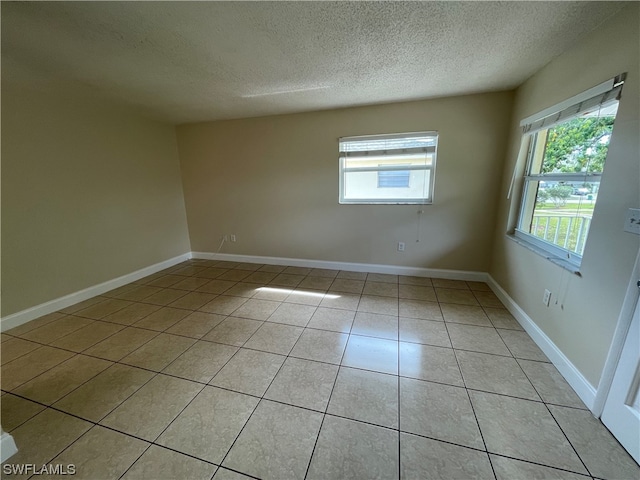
546	298
225	238
233	237
632	222
401	246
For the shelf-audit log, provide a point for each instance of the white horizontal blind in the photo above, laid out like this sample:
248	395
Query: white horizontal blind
591	100
388	145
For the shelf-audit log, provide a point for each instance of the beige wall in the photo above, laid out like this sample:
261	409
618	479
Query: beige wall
89	193
583	321
273	181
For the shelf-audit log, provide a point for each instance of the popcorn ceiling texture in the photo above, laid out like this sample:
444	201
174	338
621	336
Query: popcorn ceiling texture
195	61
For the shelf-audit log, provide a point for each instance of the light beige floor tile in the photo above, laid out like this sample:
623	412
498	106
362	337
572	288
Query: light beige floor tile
274	338
102	453
501	318
16	411
381	289
88	336
550	385
249	371
121	344
426	362
36	323
345	285
438	411
54	384
15	347
599	450
190	283
332	319
427	332
277	442
477	339
162	319
381	305
292	314
305	296
233	331
297	270
45	435
510	469
161	463
158	352
165	296
246	290
316	283
467	314
256	309
287	280
273	293
210	424
165	281
100	310
419	309
375	325
260	277
418	292
201	362
321	346
104	392
82	305
196	324
478	286
252	267
382	277
342	301
193	300
303	383
352	275
426	458
446	283
272	268
29	366
223	304
57	329
367	396
216	286
413	280
350	449
226	474
457	296
503	420
212	272
131	314
152	408
522	346
488	299
323	272
137	293
371	353
492	373
189	270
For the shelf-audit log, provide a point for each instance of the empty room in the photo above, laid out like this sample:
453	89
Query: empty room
303	240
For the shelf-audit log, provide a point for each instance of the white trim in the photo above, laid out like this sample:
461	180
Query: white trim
581	97
354	267
7	447
619	337
24	316
568	370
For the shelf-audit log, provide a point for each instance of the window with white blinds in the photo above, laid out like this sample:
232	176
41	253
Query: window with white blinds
392	169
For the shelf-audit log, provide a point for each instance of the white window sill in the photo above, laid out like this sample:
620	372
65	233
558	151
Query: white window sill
561	262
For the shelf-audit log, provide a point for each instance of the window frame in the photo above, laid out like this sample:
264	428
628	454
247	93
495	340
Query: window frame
431	168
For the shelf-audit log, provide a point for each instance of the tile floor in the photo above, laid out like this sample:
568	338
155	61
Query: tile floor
224	370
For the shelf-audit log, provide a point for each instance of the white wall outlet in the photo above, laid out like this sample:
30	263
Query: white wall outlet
233	237
632	222
225	238
401	246
546	298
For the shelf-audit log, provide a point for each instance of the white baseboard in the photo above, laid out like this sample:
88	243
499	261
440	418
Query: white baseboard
572	375
353	267
7	447
24	316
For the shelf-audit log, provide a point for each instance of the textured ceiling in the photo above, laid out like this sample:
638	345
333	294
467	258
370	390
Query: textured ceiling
194	61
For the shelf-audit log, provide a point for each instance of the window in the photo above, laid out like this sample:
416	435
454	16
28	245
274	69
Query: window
395	169
567	150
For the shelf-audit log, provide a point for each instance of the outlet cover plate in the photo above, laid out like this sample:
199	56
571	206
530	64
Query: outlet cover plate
632	221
